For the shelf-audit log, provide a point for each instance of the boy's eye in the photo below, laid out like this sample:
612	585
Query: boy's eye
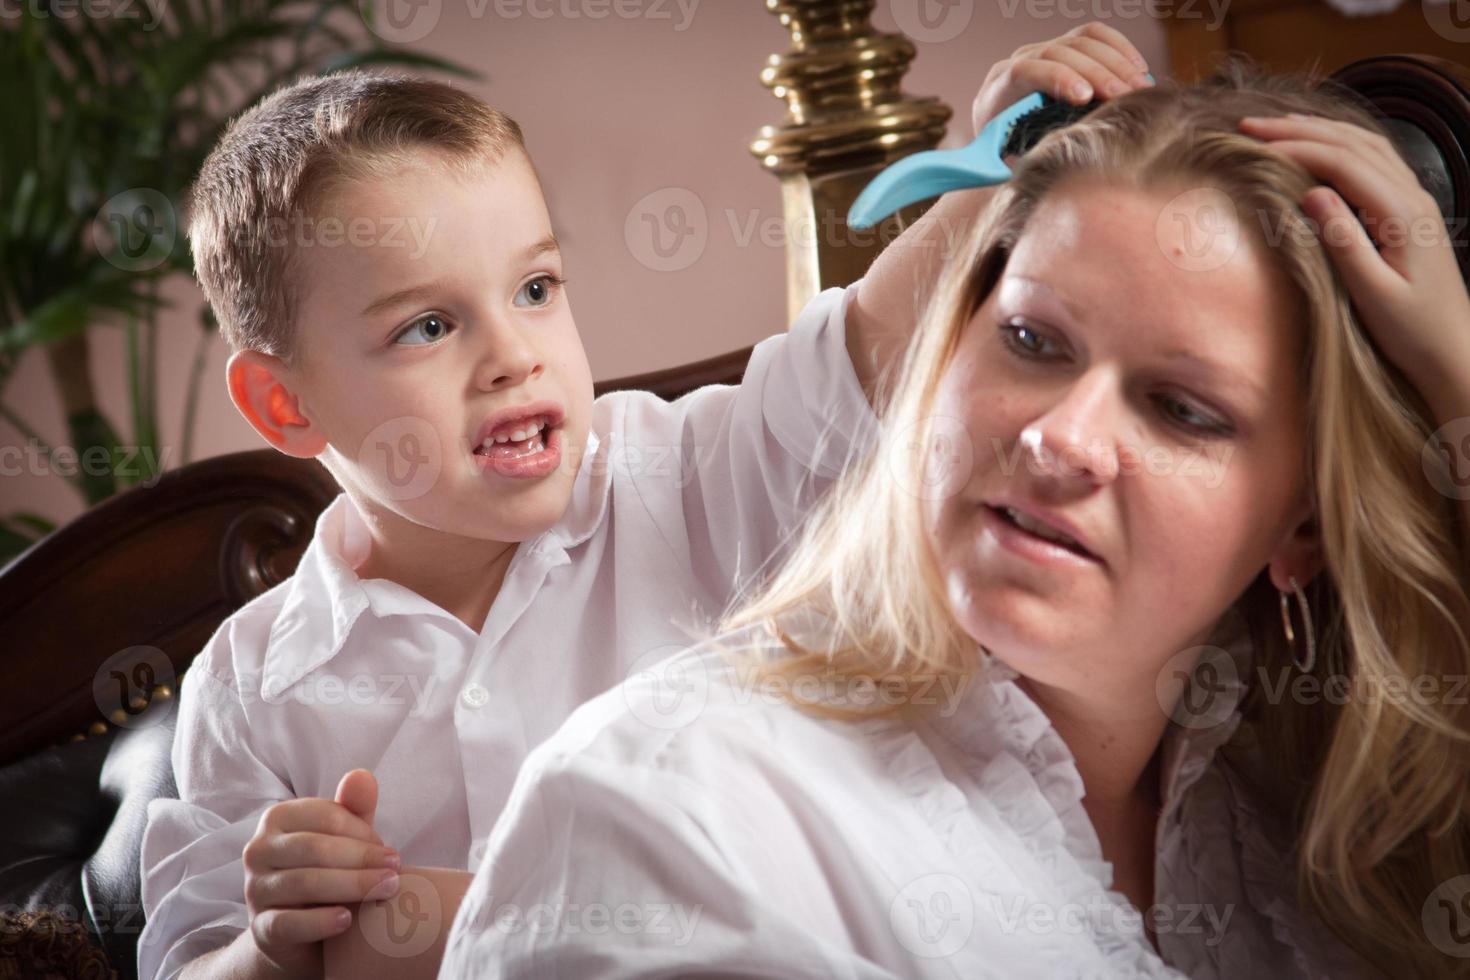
539	290
425	330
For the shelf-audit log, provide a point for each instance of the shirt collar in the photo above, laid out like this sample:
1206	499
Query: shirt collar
1209	713
590	491
1204	720
325	596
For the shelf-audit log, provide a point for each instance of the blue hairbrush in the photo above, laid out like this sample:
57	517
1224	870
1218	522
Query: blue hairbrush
934	172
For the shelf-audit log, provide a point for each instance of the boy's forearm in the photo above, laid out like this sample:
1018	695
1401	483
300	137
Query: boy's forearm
240	960
404	936
883	315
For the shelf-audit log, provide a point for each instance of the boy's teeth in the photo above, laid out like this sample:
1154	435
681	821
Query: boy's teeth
516	435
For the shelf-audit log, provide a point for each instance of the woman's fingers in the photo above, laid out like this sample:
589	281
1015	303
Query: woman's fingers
1387	191
1342	134
1358	180
1367	276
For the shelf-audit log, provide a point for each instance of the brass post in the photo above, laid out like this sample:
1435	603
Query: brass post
846	120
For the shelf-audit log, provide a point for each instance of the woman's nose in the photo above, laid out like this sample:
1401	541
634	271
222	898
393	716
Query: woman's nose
1077	433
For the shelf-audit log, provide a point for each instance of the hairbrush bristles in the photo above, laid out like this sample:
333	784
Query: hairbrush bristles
1030	128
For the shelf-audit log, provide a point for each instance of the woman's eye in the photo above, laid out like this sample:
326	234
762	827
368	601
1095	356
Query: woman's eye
1193	420
1012	332
539	290
1188	419
425	330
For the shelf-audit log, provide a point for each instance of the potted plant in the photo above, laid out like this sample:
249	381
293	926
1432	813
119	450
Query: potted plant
111	107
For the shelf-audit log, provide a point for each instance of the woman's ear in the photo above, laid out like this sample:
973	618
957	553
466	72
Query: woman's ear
1300	554
261	388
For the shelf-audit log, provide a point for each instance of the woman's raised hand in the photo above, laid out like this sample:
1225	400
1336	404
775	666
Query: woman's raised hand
1404	279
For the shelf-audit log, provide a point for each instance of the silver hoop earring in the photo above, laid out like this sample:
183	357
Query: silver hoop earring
1301	598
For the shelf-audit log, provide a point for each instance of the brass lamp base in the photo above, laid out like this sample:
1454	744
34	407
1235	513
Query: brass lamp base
846	120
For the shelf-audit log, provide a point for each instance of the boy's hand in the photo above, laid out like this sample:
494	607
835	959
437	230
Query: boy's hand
1087	62
309	864
887	308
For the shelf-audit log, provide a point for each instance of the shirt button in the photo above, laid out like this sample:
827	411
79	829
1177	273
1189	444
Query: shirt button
475	696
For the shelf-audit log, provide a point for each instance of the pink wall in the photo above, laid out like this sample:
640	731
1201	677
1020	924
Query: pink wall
614	109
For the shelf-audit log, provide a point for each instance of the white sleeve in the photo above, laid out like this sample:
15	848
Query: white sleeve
728	471
193	878
601	870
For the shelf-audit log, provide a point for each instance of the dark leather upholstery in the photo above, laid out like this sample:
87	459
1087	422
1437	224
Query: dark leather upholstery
71	829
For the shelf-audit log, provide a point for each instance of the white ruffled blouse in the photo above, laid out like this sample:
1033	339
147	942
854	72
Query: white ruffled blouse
691	822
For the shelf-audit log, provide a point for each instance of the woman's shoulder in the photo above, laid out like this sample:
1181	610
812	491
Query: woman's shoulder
704	735
711	697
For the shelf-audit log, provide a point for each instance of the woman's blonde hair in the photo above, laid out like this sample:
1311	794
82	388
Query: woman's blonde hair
1374	789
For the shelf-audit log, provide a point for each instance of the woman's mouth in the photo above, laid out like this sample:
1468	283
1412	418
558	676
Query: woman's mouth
1032	541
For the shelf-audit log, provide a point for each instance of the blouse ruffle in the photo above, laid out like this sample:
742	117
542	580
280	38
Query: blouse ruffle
1025	771
1215	849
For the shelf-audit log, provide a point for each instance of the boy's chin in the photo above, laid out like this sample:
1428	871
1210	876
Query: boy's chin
520	518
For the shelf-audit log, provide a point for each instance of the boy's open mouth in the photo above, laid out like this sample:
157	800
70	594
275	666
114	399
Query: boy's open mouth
525	437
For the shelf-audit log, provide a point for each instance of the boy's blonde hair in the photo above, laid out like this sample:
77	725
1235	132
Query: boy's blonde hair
1374	791
276	163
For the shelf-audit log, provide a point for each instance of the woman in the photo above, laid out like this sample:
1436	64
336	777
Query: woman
937	743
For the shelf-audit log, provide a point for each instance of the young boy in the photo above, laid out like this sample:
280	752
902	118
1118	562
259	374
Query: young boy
379	256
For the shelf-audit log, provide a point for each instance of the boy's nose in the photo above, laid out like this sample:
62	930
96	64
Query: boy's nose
508	359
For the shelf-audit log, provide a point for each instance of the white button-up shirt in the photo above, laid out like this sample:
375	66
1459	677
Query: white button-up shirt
703	825
674	508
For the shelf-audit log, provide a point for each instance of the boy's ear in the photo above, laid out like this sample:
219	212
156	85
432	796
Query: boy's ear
260	387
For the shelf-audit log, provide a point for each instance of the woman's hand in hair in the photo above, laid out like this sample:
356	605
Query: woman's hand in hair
1093	61
1397	264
